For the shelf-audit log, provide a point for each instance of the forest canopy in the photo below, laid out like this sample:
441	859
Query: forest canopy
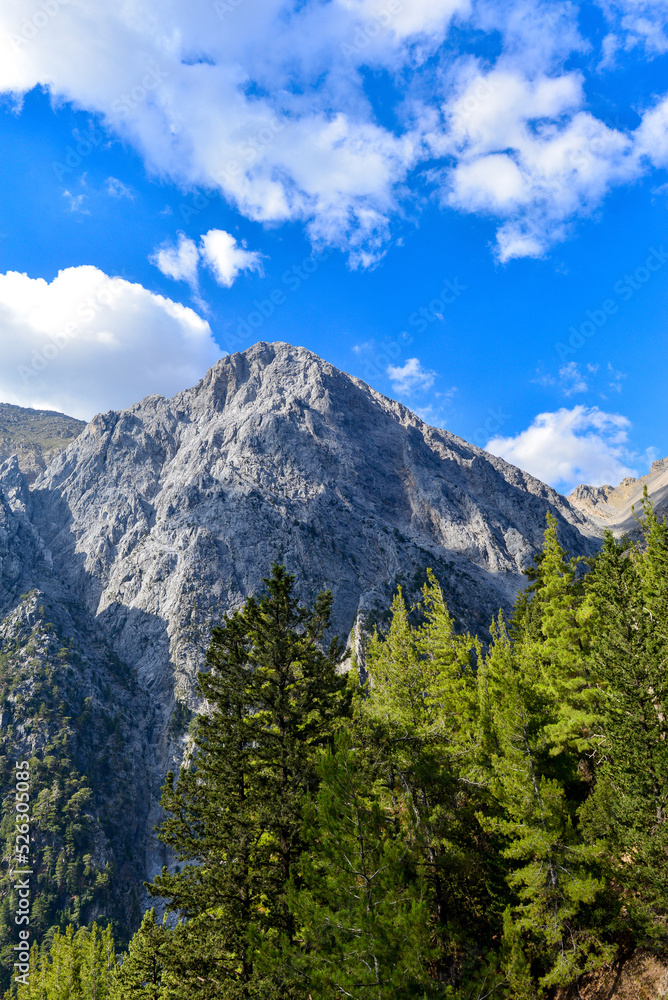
473	819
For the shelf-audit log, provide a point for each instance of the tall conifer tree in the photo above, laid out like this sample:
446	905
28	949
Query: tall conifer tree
235	815
539	702
628	621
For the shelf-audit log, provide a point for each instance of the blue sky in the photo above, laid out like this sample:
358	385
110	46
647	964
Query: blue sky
464	203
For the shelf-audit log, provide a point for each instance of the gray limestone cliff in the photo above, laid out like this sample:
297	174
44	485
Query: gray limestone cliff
158	519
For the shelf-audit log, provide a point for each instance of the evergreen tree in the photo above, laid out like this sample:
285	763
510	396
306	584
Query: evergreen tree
628	622
361	903
76	965
479	822
140	975
235	816
539	706
422	712
559	645
98	962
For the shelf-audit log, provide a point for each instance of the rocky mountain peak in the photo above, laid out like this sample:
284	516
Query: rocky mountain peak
158	519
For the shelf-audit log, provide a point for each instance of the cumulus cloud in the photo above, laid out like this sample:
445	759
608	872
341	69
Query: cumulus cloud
410	377
179	262
527	153
652	134
226	258
86	342
219	250
636	22
567	447
227	96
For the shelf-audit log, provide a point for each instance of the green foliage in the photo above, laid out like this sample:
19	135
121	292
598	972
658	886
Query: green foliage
547	939
628	607
360	900
77	965
472	822
141	974
51	718
235	816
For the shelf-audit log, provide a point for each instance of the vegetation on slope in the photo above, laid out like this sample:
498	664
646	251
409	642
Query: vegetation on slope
474	822
35	436
58	716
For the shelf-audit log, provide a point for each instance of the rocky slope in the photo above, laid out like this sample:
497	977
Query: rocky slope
159	518
35	436
612	506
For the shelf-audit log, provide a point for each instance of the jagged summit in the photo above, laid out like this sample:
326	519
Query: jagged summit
326	464
159	518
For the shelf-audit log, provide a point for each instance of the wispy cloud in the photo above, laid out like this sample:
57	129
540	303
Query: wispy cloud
117	189
76	202
410	377
571	379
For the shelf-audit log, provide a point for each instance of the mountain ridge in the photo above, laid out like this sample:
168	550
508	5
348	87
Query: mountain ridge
35	436
615	507
159	518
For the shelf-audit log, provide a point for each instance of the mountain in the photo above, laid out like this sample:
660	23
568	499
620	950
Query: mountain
612	506
157	519
35	436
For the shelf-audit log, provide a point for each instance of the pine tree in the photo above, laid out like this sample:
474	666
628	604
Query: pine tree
559	645
361	902
235	816
538	700
140	976
98	961
628	621
422	707
62	974
76	965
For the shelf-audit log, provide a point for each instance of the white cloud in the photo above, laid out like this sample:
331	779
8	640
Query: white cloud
399	19
266	103
571	379
221	252
86	342
616	378
178	262
582	445
233	100
526	153
76	202
410	377
117	189
652	134
636	22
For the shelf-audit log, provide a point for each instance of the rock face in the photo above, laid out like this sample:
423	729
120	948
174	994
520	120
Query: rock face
34	436
159	518
611	507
